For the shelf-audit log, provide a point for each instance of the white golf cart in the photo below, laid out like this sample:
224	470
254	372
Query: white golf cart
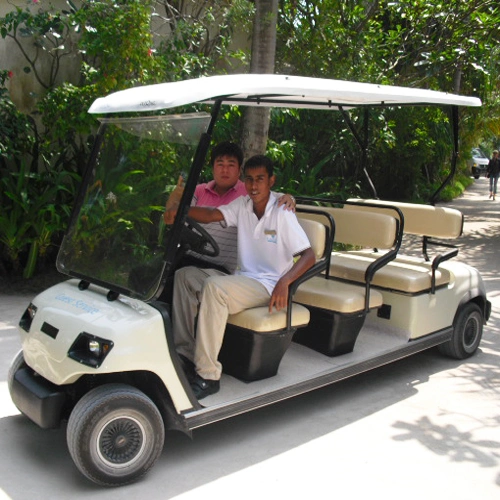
97	349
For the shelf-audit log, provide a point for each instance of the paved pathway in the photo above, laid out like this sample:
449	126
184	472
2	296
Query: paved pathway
423	428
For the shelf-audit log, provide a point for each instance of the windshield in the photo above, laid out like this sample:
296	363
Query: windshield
477	153
117	237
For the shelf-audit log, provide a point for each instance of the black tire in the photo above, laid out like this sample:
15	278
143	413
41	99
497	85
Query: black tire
16	364
115	434
467	332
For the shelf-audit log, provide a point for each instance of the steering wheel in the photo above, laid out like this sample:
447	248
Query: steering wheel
196	238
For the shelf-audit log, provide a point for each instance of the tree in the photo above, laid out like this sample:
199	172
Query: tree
116	48
444	46
256	120
196	38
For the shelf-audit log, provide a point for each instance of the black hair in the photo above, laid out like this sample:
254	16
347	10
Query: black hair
227	149
260	161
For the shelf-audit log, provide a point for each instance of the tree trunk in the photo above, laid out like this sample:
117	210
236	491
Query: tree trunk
457	80
256	120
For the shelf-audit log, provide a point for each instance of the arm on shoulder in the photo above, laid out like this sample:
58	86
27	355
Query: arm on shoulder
205	214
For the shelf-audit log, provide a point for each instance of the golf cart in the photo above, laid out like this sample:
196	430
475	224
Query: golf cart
98	351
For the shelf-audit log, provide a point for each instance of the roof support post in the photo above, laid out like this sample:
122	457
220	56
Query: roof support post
362	142
454	123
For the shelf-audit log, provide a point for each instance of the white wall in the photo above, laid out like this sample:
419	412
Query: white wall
23	87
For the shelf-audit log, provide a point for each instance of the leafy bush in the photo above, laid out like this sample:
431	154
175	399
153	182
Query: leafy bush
42	154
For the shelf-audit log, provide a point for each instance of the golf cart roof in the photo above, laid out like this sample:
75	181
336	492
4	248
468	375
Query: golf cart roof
271	91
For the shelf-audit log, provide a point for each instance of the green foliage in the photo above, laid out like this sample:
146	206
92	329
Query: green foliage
121	43
408	153
115	48
200	36
444	46
34	206
117	44
15	128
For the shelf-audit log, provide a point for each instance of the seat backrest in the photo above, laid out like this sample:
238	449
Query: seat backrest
420	220
316	233
359	228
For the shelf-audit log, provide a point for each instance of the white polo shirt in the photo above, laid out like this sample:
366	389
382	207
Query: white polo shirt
265	247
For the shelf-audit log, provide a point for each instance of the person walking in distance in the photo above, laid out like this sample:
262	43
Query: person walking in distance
493	172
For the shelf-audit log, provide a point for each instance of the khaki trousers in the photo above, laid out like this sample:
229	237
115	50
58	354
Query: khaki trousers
214	296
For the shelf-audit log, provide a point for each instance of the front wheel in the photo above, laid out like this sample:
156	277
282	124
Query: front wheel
467	332
17	364
115	434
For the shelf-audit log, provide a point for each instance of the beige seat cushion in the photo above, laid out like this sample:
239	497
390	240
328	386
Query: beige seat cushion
259	319
410	276
335	296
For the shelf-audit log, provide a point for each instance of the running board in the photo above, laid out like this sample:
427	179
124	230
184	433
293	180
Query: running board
205	416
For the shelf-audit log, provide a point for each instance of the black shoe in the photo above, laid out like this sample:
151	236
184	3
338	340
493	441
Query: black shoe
203	387
188	367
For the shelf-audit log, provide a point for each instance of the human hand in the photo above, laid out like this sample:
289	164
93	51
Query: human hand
173	201
170	213
279	297
288	202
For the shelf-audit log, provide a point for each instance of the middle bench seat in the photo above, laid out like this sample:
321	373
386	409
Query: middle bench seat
338	310
378	234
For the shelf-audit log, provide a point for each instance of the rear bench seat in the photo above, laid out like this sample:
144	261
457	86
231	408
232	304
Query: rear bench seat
406	274
338	309
255	341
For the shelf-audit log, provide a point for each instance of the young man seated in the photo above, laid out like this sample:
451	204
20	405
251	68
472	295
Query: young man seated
268	239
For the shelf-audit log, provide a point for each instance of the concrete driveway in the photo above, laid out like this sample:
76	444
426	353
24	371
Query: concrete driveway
423	428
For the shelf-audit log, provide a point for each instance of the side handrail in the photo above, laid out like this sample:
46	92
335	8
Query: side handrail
435	263
428	241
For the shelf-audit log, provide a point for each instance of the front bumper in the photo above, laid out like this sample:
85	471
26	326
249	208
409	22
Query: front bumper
487	311
37	398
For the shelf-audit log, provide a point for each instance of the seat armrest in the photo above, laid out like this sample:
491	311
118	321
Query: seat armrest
315	270
435	263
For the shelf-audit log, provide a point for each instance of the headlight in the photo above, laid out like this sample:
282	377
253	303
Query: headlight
90	350
95	347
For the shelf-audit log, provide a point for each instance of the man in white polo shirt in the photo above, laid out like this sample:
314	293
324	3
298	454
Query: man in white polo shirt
268	240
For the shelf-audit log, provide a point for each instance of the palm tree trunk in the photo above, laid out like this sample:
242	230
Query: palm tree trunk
256	120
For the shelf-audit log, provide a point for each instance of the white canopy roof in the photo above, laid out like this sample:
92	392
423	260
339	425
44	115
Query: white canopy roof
271	90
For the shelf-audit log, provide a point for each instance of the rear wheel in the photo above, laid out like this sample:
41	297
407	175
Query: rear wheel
115	434
467	332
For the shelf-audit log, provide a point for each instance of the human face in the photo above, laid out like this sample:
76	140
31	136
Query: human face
258	184
226	171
